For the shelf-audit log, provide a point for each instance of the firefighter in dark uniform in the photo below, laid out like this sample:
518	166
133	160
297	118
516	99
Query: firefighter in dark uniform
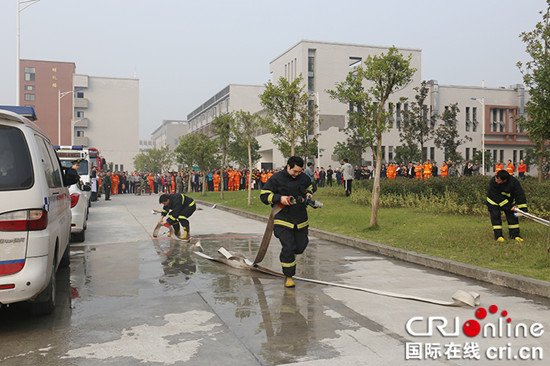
178	207
291	223
505	193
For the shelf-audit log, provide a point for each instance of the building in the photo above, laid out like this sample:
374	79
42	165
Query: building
106	116
76	109
168	133
48	87
322	65
232	98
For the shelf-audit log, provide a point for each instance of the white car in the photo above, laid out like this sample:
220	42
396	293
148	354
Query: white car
79	209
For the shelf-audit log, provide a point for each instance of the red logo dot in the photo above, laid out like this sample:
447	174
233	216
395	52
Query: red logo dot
493	309
471	328
504	313
481	313
509	320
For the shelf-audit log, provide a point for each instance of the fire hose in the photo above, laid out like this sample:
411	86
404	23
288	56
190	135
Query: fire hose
540	220
237	260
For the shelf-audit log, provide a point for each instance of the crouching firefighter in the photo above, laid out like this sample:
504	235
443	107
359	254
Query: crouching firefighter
505	193
178	208
289	187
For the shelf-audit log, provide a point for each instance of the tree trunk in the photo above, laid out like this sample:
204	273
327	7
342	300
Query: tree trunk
203	185
541	156
221	177
249	174
376	185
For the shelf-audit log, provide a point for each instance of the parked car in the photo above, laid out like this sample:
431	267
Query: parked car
80	194
35	214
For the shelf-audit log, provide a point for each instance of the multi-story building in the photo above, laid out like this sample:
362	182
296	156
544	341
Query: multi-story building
48	87
106	116
75	109
168	133
232	98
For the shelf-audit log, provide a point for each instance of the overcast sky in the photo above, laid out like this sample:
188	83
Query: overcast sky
184	51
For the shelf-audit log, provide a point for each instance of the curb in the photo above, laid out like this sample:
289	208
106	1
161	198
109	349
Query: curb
523	284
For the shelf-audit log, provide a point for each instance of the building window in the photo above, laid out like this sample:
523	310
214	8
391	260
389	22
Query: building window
502	155
515	159
30	73
79	133
467	154
383	153
467	124
390	153
425	152
79	94
474	119
29	97
432	153
398	114
80	114
354	61
29	87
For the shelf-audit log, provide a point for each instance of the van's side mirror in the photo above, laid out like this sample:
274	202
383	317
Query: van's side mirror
70	177
86	187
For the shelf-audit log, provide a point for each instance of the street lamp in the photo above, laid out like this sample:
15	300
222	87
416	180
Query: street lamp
61	95
482	101
26	4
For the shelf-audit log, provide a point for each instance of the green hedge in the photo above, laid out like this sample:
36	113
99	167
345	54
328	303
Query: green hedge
460	195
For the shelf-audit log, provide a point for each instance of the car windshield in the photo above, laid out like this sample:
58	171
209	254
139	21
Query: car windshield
15	161
82	169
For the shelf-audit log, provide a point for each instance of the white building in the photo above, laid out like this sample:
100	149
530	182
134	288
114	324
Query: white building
168	133
106	116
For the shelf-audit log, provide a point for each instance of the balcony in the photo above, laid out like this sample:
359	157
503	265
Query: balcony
82	122
81	140
81	102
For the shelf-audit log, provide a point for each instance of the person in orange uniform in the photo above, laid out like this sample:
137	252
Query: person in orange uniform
418	171
427	170
115	179
522	169
231	180
216	180
390	171
151	182
510	168
238	180
263	177
444	170
498	167
269	174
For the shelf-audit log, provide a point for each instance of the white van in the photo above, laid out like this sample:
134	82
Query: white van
35	214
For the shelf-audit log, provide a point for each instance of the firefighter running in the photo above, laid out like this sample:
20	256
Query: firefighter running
178	208
505	193
291	223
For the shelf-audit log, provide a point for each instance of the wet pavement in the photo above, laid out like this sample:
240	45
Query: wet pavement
130	299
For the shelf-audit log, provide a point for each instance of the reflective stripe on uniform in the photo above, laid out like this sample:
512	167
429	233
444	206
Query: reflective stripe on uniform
506	194
192	203
523	205
491	201
171	217
503	203
270	197
516	226
302	225
284	223
288	265
182	217
497	227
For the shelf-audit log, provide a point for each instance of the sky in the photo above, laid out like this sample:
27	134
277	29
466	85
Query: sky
183	51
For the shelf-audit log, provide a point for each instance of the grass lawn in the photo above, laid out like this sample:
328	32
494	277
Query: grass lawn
462	238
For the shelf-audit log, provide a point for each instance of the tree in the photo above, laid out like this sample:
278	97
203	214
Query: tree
154	160
406	153
386	73
244	129
222	128
488	158
417	128
185	154
238	152
536	76
289	117
446	135
205	156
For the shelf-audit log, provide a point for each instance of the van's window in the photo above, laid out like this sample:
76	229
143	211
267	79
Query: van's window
52	170
58	173
15	160
82	169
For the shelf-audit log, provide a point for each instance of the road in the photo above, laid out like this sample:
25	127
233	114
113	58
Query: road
131	299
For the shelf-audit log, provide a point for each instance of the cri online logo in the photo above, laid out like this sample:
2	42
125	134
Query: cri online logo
472	328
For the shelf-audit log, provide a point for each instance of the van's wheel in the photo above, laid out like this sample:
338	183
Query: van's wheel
44	303
66	259
79	237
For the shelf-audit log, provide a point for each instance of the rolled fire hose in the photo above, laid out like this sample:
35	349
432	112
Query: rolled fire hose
540	220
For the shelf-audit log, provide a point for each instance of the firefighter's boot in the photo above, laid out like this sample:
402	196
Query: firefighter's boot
289	282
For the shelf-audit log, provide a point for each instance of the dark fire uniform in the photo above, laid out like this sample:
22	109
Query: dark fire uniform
180	208
503	197
291	223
